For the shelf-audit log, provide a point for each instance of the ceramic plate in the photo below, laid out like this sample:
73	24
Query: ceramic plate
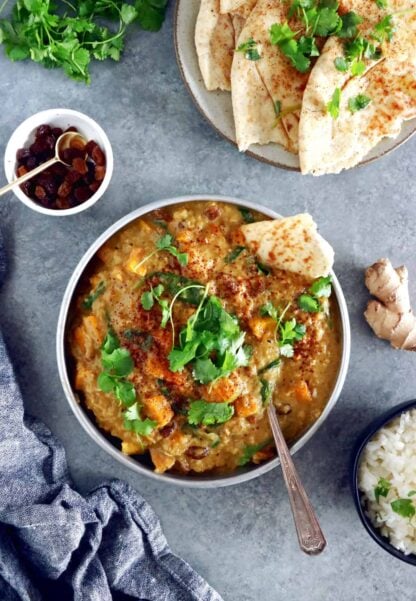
216	106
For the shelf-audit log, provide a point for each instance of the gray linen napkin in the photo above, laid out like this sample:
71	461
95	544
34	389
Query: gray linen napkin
56	545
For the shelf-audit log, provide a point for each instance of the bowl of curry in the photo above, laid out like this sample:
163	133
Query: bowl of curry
173	338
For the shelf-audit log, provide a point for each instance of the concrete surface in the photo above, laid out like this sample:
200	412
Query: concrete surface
241	539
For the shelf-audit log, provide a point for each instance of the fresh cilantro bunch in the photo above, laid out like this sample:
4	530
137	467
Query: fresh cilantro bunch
288	331
212	342
70	34
117	365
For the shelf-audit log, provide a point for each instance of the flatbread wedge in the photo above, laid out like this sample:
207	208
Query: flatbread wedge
216	36
291	243
328	145
256	86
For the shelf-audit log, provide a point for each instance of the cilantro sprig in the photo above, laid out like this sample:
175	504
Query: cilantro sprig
70	35
382	488
165	243
288	332
310	300
358	103
212	342
117	364
404	507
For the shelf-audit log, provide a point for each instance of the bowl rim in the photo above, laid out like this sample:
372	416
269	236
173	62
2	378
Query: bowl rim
373	427
97	435
47	115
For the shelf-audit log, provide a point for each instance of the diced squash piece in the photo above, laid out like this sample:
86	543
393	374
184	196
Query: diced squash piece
246	405
157	407
92	327
302	392
81	376
79	338
134	262
161	461
223	390
131	448
144	226
184	236
260	326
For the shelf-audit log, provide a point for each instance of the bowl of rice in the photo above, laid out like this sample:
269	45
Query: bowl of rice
383	479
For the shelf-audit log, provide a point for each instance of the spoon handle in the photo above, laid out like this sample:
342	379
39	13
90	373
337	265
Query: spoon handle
311	538
28	175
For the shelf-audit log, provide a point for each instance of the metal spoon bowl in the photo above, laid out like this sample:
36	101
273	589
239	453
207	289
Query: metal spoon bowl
65	141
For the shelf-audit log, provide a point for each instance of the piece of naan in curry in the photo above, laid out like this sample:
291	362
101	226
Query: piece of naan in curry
256	86
216	35
328	145
291	243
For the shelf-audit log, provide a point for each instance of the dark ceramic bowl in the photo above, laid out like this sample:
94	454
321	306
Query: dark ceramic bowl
366	435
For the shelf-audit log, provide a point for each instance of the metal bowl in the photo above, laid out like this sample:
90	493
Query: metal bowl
242	474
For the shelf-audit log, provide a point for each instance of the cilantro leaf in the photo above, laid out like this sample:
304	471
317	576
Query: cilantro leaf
247	215
357	67
147	300
251	449
119	362
290	49
341	64
209	414
280	32
411	493
381	4
349	25
328	22
266	391
307	45
321	287
358	103
404	507
382	488
125	392
250	50
134	423
308	303
234	254
88	302
384	29
333	105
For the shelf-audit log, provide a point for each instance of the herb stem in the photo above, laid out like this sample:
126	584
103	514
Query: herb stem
173	302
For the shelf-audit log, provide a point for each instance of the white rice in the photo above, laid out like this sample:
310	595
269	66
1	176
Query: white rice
391	454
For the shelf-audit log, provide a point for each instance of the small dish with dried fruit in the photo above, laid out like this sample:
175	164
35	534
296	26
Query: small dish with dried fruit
61	190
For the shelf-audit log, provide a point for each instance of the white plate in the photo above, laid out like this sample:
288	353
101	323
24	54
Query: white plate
216	106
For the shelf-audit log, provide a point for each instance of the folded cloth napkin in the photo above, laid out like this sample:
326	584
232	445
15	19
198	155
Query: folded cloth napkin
56	545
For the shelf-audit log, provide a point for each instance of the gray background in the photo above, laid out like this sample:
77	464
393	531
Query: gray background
242	538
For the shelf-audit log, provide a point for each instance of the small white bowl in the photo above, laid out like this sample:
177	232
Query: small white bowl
24	135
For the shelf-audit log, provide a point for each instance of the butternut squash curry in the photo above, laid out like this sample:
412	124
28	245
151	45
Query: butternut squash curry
181	337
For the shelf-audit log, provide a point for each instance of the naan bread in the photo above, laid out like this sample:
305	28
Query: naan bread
292	243
239	6
329	145
257	85
216	36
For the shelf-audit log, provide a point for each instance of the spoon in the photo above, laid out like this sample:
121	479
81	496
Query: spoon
66	140
310	536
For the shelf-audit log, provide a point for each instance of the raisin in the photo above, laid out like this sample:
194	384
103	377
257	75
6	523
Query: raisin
98	156
72	128
73	176
94	186
65	188
31	162
57	132
197	452
22	170
43	130
22	154
90	147
99	173
82	193
40	193
167	430
80	166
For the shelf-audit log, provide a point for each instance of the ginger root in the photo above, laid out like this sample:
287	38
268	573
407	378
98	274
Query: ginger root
391	316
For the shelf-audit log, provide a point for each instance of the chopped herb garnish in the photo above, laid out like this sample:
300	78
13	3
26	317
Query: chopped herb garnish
382	488
251	449
277	107
166	243
333	105
247	215
404	507
134	423
212	342
384	29
308	303
266	391
349	25
341	64
261	268
190	291
381	4
321	287
358	103
234	254
411	493
288	331
208	414
250	50
88	302
271	365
